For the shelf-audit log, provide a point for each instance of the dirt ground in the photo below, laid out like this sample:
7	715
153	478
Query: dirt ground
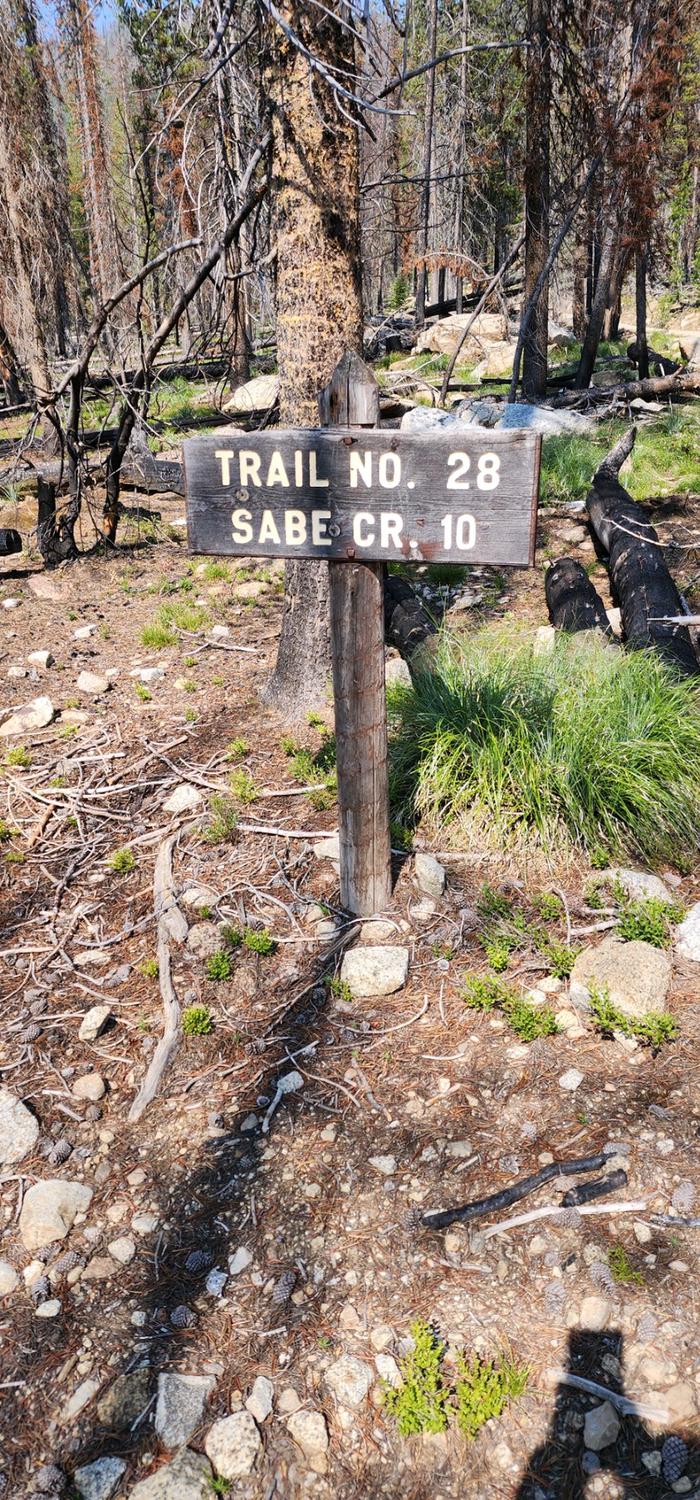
409	1103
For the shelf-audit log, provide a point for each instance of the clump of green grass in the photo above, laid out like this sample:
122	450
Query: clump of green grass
315	768
422	1402
236	749
223	820
621	1267
149	968
548	906
485	1388
581	747
122	862
243	786
142	692
219	966
19	756
6	832
526	1020
569	461
340	989
649	920
158	636
497	952
171	618
654	1029
197	1020
212	572
259	940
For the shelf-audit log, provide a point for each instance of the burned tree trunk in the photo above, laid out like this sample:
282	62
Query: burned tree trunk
54	532
406	624
640	298
642	585
572	601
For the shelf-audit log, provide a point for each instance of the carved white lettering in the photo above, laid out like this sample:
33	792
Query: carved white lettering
277	474
389	470
360	520
315	483
242	530
268	529
249	466
360	468
319	536
225	455
294	528
390	528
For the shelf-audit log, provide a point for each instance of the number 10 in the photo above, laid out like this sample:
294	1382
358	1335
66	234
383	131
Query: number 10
464	532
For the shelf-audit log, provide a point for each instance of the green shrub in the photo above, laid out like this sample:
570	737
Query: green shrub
560	958
422	1402
236	749
6	831
580	747
259	941
243	786
548	906
142	692
621	1267
649	920
230	937
123	861
158	636
223	820
485	1388
149	968
219	966
526	1020
486	993
497	953
340	989
653	1029
19	756
197	1020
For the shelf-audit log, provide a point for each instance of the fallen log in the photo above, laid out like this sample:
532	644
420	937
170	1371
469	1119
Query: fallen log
661	385
10	541
664	365
649	601
160	477
572	601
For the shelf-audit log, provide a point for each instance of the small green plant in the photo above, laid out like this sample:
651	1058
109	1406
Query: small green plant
197	1020
230	936
158	636
654	1029
122	862
548	906
485	1387
243	786
560	958
484	993
19	756
142	692
223	820
622	1268
236	749
442	950
649	920
14	857
67	731
497	953
259	941
217	681
526	1020
189	686
6	832
72	703
218	1485
191	716
340	989
149	968
492	904
189	661
218	966
213	572
422	1402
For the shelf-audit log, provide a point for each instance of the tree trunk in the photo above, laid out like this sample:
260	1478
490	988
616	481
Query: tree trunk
424	217
611	321
572	601
462	155
537	109
54	533
580	271
99	205
10	372
319	310
600	301
640	287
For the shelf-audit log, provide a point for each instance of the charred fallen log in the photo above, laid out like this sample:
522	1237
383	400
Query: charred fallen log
10	541
572	601
658	362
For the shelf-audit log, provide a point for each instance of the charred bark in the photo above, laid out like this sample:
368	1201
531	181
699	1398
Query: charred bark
406	624
572	601
537	111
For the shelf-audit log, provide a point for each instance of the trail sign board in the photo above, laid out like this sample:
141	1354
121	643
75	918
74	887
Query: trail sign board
455	495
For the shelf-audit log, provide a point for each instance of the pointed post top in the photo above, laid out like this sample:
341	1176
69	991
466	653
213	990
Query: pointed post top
351	398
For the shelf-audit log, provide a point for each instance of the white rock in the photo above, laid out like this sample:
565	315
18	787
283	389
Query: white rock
261	1398
84	632
388	1369
215	1282
35	715
375	971
349	1379
92	957
49	1210
49	1309
594	1314
180	1406
459	1149
93	683
203	939
240	1260
11	603
601	1427
328	848
91	1086
397	671
635	883
688	935
99	1480
185	798
430	875
423	910
188	1477
571	1080
636	975
18	1129
144	1223
220	632
40	659
199	895
82	1396
642	1232
233	1445
17	672
8	1278
123	1249
384	1164
148	674
258	394
94	1022
309	1431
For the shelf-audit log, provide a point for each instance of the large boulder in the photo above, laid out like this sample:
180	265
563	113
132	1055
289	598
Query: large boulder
375	971
635	975
444	337
256	395
34	715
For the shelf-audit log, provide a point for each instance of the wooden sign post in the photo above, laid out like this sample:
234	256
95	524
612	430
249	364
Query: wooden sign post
360	498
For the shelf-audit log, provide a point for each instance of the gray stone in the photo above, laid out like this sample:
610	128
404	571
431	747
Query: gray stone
99	1480
219	632
122	1249
198	896
148	674
94	1022
601	1427
384	1164
91	1087
185	798
397	671
233	1445
84	632
688	935
638	884
49	1210
430	875
40	659
93	683
349	1379
328	848
17	672
180	1406
309	1431
594	1314
203	939
459	1149
240	1260
188	1477
260	1400
81	1397
636	975
49	1309
258	394
8	1278
18	1129
571	1080
34	715
125	1400
375	971
388	1369
543	419
92	958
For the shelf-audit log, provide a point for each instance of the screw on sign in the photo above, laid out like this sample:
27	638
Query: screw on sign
360	498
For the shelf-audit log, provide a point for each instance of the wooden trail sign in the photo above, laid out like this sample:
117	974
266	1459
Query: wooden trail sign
360	498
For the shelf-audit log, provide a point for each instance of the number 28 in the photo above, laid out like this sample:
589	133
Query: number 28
487	471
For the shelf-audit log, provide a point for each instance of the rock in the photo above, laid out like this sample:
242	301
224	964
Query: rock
681	1402
84	632
444	336
601	1427
148	674
543	419
497	361
82	1396
652	1461
219	632
17	672
571	1080
635	883
91	1086
125	1400
188	1477
349	1319
544	640
423	910
92	957
288	1401
384	1164
594	1314
636	975
388	1369
49	1309
100	1268
251	589
233	1445
99	1480
35	715
123	1249
49	1210
93	683
374	932
688	935
145	1223
44	587
254	396
430	875
260	1400
375	971
198	896
19	1129
185	798
40	659
349	1379
309	1431
573	534
240	1260
215	1282
94	1022
180	1406
397	671
642	1232
328	848
203	939
8	1278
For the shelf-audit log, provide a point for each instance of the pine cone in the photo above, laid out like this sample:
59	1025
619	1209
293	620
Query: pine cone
674	1457
49	1477
555	1298
602	1276
683	1198
31	1032
570	1218
183	1316
66	1263
60	1152
283	1288
198	1260
40	1289
647	1328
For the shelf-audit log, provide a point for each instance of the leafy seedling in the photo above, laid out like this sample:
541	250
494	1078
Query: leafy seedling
485	1387
654	1029
621	1267
649	920
197	1020
149	968
218	966
422	1402
122	862
259	941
